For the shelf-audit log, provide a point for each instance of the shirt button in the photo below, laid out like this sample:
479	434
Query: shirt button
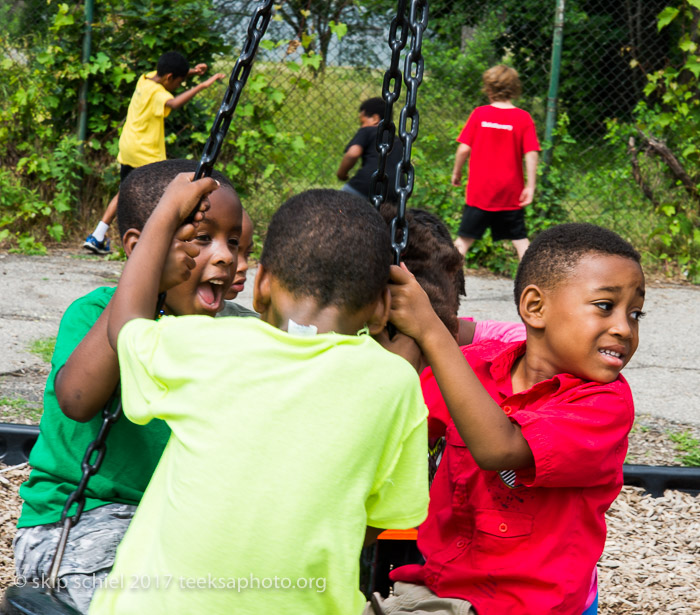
503	528
460	544
508	410
430	579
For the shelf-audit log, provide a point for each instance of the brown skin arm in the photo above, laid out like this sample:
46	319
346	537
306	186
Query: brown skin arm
188	95
463	152
465	335
88	379
528	193
494	442
348	162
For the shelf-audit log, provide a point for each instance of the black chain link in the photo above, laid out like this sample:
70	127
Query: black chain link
413	77
256	30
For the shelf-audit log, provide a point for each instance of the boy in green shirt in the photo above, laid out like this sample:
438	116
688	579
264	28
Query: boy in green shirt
85	372
290	434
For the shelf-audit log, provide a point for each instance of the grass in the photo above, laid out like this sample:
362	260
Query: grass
43	348
689	446
18	409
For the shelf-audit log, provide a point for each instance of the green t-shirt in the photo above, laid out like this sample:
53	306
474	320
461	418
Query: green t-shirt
132	454
283	450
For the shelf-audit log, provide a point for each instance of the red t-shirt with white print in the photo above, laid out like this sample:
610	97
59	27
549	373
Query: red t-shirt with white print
499	138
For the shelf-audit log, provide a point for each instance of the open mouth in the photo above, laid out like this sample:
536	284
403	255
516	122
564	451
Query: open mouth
612	357
211	294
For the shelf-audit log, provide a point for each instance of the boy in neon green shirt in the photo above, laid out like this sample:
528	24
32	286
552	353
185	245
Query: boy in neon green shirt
85	372
290	435
142	140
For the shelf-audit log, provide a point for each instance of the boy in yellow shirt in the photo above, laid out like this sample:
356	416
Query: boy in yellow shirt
142	140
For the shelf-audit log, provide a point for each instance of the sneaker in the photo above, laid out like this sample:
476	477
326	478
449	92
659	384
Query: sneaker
98	247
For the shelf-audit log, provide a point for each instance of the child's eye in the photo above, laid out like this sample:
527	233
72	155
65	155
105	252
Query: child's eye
233	242
638	315
606	306
203	238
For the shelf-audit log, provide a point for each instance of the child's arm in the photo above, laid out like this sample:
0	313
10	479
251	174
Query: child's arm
188	95
87	380
494	442
528	192
348	162
199	69
137	290
461	157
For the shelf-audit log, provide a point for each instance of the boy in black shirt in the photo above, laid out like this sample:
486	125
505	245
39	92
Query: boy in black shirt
362	145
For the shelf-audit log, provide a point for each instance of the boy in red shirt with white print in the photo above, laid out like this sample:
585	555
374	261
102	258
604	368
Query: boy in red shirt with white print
495	139
537	438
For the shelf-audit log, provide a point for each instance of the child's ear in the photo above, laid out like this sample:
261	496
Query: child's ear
380	316
129	240
531	308
261	290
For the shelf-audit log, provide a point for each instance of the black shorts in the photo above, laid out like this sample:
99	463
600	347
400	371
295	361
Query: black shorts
509	224
124	171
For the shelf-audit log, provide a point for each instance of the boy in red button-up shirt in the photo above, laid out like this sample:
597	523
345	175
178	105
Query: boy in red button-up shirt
538	433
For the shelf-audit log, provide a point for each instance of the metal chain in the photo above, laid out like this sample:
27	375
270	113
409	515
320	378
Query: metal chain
413	77
256	30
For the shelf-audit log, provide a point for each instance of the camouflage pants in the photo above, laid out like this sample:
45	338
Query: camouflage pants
89	554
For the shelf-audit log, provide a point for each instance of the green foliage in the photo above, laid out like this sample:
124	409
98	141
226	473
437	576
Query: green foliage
685	443
43	348
47	176
669	116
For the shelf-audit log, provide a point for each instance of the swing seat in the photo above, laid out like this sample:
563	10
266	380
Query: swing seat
29	600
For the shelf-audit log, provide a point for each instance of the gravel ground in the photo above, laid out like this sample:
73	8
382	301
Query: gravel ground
651	562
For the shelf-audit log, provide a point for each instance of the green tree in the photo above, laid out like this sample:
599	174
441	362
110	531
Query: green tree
46	168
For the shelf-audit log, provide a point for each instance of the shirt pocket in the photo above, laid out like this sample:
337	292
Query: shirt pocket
500	537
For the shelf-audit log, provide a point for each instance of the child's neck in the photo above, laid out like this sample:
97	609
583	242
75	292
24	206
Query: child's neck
502	104
305	311
530	368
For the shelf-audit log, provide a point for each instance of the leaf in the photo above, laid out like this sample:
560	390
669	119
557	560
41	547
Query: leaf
666	16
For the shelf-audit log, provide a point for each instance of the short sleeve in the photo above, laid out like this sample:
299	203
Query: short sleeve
161	96
137	347
581	441
76	321
498	330
467	134
399	499
530	142
363	138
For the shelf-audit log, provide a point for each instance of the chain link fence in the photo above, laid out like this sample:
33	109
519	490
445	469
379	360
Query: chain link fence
608	47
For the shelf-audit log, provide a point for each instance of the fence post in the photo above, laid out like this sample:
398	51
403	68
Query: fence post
82	97
554	79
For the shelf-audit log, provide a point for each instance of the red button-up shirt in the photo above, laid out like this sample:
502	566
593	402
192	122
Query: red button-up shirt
531	548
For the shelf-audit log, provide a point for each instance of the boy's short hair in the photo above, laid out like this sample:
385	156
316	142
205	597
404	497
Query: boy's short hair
554	253
140	192
501	83
172	62
329	245
373	106
432	258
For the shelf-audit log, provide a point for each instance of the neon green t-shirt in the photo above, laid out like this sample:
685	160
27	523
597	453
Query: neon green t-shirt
283	450
132	454
142	140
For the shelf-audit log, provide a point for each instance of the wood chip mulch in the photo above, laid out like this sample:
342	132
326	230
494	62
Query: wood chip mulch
651	563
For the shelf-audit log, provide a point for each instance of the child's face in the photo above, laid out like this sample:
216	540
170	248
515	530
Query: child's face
592	319
245	248
172	83
217	237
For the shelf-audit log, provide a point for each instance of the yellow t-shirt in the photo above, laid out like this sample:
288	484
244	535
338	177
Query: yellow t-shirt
143	136
283	449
